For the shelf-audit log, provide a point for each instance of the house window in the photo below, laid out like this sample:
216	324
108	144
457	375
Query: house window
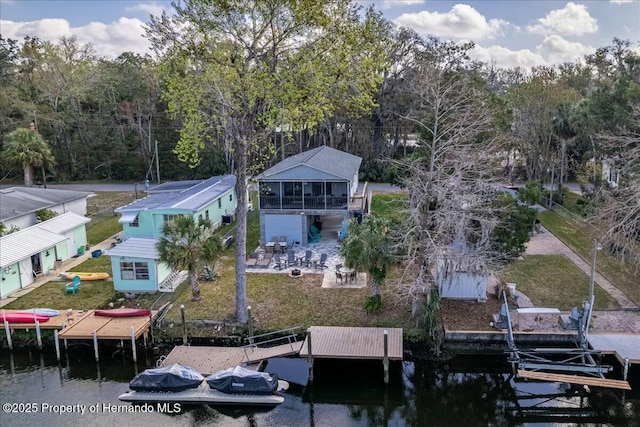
231	197
200	217
135	222
219	203
206	214
169	218
134	270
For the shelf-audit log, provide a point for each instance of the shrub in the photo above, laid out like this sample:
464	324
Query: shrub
373	304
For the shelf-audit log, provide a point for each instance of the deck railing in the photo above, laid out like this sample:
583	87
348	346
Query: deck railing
306	202
281	337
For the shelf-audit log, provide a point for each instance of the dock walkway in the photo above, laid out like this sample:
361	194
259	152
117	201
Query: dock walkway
334	342
623	346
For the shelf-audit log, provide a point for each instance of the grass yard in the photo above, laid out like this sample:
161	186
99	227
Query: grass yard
279	301
104	223
390	206
90	295
622	276
554	281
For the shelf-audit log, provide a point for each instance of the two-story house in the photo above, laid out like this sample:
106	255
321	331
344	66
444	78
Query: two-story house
32	248
303	189
135	262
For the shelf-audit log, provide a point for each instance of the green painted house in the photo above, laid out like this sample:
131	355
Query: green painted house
135	262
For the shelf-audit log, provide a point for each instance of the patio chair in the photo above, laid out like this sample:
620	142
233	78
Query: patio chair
307	258
283	239
253	260
339	274
291	257
274	238
322	263
353	276
72	287
277	249
280	263
265	260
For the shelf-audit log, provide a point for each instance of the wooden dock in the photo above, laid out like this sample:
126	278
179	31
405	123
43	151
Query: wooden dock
623	346
575	379
107	328
208	360
54	322
332	342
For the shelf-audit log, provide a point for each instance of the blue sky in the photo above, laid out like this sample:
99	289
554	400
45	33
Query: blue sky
509	33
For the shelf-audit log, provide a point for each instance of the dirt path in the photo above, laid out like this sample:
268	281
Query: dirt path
547	243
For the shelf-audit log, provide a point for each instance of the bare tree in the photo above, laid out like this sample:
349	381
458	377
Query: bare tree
617	209
449	181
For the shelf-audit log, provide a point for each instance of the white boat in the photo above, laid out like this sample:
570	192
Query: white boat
206	395
49	312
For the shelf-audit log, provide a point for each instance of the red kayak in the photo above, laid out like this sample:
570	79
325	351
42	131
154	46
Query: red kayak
15	317
123	312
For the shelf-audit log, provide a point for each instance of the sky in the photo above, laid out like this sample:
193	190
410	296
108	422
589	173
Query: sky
507	33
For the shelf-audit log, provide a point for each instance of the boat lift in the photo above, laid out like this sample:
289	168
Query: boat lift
579	365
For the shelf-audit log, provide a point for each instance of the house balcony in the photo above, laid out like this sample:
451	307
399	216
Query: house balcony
305	202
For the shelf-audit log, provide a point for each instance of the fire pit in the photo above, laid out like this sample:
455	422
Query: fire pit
295	273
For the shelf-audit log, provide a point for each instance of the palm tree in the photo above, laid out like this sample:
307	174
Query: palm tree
189	245
366	247
27	148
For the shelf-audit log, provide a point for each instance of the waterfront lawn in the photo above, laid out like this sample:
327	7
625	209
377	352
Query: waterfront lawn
621	275
390	206
90	295
554	281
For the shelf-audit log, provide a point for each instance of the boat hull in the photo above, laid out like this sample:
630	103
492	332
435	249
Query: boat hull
16	317
49	312
85	276
205	395
123	312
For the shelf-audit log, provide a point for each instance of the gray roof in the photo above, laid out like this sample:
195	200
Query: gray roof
24	243
63	223
325	159
173	186
138	247
191	199
18	201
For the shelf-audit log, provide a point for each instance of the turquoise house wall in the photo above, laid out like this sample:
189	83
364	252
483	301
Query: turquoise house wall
163	271
80	236
48	260
124	285
226	207
61	250
145	228
9	282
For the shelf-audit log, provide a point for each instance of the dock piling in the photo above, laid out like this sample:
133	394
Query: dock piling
38	336
309	356
133	345
184	325
56	340
250	324
385	360
7	330
95	345
64	325
625	369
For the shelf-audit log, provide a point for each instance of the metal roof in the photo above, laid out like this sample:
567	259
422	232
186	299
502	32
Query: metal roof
63	223
192	199
173	186
18	201
128	217
325	159
136	247
24	243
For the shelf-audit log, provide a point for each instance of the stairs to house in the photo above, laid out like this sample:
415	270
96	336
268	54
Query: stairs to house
172	281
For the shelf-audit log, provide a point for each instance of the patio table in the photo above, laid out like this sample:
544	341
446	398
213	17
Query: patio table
347	273
269	246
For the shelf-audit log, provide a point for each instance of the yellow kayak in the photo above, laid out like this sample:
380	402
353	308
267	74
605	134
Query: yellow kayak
85	276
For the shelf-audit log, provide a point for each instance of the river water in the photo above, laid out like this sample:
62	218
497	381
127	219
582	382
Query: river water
464	391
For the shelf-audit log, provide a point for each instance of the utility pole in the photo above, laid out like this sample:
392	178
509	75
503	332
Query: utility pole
157	162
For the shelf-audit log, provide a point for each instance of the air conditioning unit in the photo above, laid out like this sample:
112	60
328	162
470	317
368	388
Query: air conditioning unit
228	219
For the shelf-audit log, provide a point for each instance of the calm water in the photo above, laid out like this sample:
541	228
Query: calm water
465	391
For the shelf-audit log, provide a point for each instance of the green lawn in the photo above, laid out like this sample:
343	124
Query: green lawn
554	281
90	295
390	206
577	236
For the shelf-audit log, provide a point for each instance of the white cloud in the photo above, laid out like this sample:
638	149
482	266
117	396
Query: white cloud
507	58
394	3
572	20
462	21
112	39
152	8
558	50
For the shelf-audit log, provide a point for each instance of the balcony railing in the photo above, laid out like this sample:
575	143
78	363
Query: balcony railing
306	202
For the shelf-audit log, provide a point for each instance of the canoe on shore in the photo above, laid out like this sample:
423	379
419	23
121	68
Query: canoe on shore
17	317
49	312
123	312
69	275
